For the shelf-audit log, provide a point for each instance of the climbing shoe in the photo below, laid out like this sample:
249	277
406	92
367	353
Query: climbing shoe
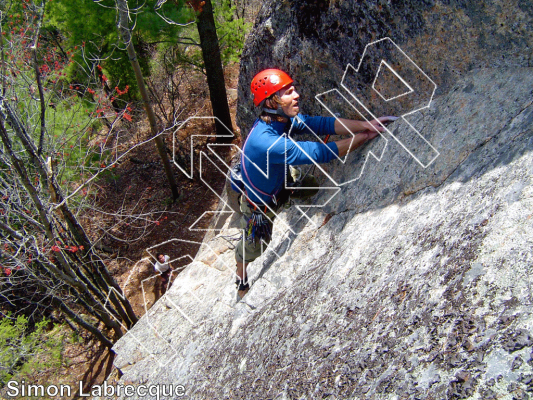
242	289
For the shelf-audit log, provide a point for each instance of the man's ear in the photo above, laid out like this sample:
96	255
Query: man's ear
271	103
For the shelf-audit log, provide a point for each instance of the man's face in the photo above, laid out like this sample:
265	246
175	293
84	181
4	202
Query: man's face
289	98
161	258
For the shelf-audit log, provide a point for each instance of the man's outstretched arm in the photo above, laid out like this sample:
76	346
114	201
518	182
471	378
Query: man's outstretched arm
348	145
368	131
348	126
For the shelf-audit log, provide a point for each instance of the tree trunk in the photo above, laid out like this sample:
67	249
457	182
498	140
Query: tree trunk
81	289
125	32
77	319
74	227
214	71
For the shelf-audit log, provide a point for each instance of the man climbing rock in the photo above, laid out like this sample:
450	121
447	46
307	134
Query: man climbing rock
267	150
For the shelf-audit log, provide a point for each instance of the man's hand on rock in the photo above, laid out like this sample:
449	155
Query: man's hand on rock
349	126
380	123
367	131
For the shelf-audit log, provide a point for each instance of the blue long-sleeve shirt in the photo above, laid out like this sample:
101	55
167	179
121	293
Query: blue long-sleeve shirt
268	147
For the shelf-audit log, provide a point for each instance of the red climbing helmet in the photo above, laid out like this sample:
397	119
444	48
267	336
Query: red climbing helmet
268	82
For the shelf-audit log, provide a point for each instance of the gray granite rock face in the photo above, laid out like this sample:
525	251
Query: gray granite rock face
315	40
411	283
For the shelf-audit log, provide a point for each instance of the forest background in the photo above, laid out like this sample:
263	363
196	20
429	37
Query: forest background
87	89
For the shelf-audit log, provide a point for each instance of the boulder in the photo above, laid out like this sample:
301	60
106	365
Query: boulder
411	277
315	40
410	282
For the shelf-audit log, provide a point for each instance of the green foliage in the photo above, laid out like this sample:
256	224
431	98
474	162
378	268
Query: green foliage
22	352
231	31
160	24
70	124
74	112
56	138
92	26
84	24
74	338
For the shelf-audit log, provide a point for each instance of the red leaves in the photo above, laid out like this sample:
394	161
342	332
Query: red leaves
197	5
72	249
121	92
158	222
43	69
127	116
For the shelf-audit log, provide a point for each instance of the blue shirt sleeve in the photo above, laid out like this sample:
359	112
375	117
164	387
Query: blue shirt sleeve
301	153
319	125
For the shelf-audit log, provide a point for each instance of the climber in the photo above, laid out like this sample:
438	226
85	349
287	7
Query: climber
266	145
162	266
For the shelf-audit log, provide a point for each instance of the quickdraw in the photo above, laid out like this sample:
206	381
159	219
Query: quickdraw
258	226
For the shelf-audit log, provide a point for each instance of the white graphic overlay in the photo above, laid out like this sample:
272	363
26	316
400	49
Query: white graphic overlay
378	74
386	82
390	84
333	101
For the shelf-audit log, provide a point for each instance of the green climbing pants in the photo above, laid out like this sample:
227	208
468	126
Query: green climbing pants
246	252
